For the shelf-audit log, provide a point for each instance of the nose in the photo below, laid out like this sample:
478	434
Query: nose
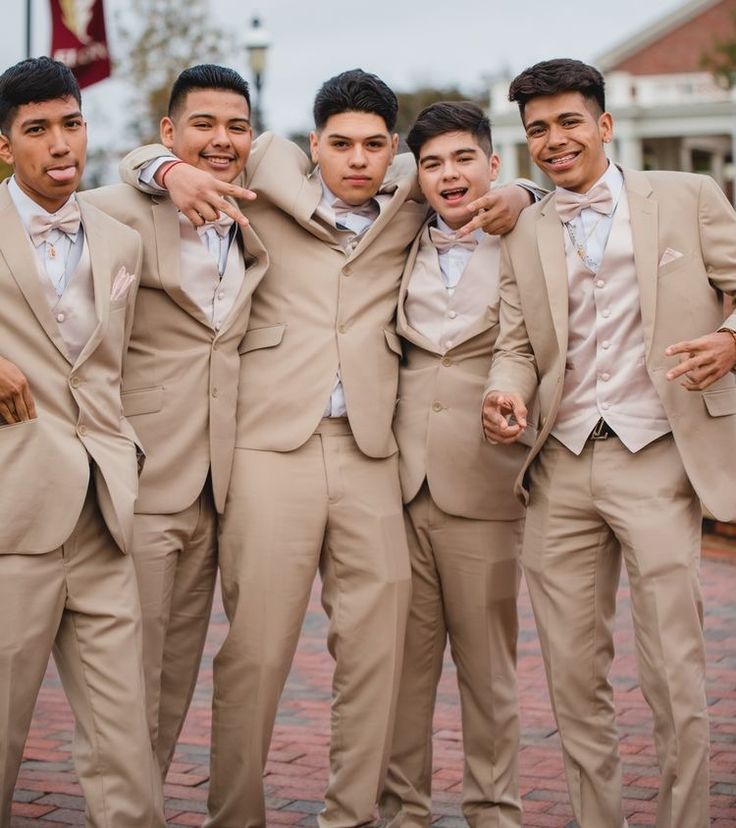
357	156
58	143
221	138
450	171
556	136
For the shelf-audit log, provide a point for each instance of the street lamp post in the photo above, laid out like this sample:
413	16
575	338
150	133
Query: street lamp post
257	41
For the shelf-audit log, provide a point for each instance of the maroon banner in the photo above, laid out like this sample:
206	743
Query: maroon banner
78	39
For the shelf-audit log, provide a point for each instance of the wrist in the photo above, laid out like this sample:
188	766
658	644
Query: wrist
733	337
164	170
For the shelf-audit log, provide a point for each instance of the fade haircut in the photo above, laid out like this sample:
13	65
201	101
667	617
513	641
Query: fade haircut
355	91
450	116
34	80
550	77
206	76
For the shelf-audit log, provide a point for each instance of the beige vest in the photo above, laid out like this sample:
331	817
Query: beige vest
74	310
437	314
200	280
605	371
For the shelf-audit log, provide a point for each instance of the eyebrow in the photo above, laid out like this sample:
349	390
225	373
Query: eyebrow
196	115
462	151
378	137
42	121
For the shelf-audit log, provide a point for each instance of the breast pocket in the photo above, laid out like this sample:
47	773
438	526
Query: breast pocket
261	338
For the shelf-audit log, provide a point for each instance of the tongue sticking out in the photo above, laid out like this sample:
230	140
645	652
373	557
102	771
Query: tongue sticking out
62	174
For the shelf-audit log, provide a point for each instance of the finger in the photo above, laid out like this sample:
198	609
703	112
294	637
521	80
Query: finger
473	225
687	366
21	409
241	193
209	208
681	348
29	402
235	214
520	412
6	413
193	216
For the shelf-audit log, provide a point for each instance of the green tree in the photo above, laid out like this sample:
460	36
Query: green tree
720	58
165	37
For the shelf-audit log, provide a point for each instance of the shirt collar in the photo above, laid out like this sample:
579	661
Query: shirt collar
613	178
27	207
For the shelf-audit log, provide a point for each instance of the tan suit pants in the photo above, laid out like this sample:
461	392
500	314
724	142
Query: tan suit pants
176	563
81	600
323	506
465	580
586	513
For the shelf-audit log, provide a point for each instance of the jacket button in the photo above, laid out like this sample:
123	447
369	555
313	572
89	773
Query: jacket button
214	392
75	382
83	430
446	361
342	328
436	406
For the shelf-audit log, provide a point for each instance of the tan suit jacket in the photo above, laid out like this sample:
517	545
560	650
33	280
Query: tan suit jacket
180	376
681	299
45	462
319	306
437	422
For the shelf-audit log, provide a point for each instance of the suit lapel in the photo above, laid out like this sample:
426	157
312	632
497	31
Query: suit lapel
101	249
551	246
402	323
306	202
168	256
23	265
644	232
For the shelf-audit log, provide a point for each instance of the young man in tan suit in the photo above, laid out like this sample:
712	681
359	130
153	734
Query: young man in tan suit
315	477
611	304
180	384
463	521
68	458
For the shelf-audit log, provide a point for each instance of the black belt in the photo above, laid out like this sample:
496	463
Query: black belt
601	431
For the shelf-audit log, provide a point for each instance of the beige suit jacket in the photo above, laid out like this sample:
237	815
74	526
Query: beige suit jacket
318	307
180	376
45	462
437	423
681	299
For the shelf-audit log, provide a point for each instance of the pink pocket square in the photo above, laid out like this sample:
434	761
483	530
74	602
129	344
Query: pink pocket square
670	255
121	284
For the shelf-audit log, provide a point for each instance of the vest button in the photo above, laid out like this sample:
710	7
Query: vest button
60	317
452	314
600	283
605	376
436	406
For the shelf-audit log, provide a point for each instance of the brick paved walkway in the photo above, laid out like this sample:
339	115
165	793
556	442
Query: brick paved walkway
47	795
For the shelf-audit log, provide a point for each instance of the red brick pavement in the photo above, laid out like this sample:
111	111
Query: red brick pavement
48	796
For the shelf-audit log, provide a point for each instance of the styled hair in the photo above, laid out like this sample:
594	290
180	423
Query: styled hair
206	76
355	91
33	81
450	116
551	77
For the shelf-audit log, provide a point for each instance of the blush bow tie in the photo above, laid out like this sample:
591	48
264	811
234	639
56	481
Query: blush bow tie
445	241
221	225
67	219
570	204
368	209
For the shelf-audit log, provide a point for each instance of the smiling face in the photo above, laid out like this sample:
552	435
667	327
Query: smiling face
211	131
453	171
565	134
353	150
47	146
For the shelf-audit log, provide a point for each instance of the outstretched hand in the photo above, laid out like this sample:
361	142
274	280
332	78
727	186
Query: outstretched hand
16	400
497	211
200	196
703	360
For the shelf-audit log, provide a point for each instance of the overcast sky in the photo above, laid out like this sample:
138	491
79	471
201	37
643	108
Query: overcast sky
407	42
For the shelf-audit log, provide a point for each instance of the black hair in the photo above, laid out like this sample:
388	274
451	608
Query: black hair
551	77
206	76
33	81
355	91
450	116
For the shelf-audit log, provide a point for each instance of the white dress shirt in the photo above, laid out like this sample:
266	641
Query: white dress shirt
454	261
59	255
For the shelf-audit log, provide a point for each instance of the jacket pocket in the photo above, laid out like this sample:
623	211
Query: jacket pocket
142	401
393	342
261	338
720	402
